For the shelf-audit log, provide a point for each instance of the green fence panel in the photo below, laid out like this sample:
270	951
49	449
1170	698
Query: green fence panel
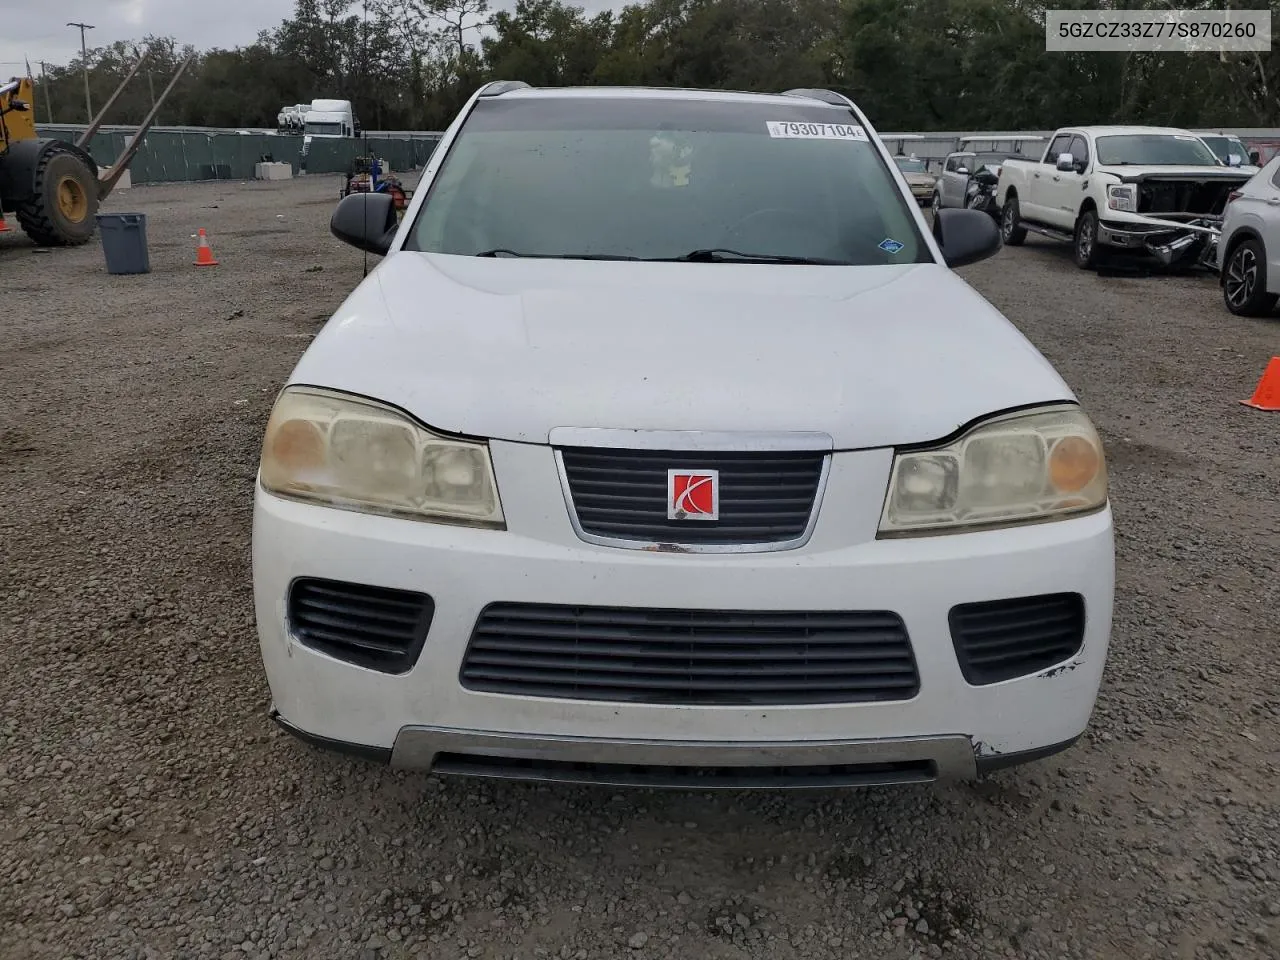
390	150
158	159
105	147
286	150
403	153
174	156
423	148
235	155
332	154
228	162
202	162
161	159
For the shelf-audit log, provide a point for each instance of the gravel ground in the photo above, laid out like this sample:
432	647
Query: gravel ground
149	810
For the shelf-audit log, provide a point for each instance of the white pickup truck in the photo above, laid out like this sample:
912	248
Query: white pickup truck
1156	191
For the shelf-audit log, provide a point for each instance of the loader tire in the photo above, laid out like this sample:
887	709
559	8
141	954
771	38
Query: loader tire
61	210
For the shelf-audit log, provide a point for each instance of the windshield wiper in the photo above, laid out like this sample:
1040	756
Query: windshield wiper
707	255
725	255
504	252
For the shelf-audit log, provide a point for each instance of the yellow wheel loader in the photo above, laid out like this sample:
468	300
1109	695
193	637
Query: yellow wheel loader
53	186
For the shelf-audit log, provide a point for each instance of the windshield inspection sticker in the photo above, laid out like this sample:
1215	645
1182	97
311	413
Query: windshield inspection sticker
786	129
890	246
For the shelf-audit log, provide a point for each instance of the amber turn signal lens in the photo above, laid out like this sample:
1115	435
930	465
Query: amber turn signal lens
1073	463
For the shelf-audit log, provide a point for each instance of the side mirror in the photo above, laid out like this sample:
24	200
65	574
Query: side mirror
1254	158
963	170
1234	160
367	221
965	236
1066	162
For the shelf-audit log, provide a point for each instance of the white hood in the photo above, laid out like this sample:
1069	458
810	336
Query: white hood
512	348
1165	171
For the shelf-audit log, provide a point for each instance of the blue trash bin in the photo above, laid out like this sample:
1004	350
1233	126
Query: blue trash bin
124	242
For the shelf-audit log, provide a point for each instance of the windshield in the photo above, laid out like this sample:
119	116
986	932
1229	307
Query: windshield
329	129
660	178
1155	149
1225	146
910	165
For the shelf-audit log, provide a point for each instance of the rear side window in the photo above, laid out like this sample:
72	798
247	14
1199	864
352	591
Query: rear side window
658	178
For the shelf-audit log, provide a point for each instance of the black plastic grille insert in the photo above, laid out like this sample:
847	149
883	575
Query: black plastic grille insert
374	627
690	657
622	494
1003	639
689	778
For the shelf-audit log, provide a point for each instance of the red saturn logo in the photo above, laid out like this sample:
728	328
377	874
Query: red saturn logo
693	494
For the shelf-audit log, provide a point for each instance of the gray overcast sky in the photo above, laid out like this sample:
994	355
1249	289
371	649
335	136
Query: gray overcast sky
36	30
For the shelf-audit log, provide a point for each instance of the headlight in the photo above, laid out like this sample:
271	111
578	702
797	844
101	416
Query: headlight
1123	196
355	454
1026	467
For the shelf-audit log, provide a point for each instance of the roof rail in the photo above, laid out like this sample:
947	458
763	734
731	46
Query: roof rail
497	88
814	93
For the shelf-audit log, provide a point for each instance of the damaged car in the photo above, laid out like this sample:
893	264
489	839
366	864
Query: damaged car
969	180
1231	151
923	184
1148	191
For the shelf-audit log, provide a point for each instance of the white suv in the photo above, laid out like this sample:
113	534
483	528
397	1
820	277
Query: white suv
1249	250
664	447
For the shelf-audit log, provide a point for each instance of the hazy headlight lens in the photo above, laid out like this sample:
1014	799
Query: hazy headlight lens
1001	467
928	484
356	454
1035	465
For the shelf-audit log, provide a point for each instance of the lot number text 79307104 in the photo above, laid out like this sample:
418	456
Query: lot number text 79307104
815	131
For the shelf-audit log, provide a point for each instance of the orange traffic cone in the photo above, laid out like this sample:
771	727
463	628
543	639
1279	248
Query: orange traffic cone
204	252
1267	396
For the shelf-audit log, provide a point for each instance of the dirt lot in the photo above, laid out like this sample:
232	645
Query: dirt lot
149	810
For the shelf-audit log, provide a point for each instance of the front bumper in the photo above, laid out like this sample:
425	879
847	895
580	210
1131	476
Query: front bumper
986	202
427	719
923	192
702	764
1171	245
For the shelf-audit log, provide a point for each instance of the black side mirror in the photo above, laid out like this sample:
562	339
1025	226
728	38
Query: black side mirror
965	236
1254	157
367	221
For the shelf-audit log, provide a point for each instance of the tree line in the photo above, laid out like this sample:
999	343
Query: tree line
910	64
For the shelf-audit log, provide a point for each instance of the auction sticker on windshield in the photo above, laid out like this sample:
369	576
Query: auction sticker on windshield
788	129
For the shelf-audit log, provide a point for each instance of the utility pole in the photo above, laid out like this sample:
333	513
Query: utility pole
150	83
44	82
84	62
